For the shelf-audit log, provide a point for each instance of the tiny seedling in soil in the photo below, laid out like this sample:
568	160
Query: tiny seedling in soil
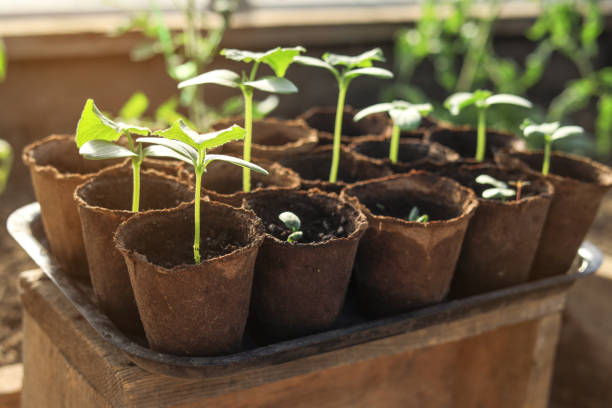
519	185
416	216
551	132
278	59
482	100
293	223
345	68
499	191
97	137
405	116
185	144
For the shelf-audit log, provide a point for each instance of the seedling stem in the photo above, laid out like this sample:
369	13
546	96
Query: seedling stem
333	172
482	135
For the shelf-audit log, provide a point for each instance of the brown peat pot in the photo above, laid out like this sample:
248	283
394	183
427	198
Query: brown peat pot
313	168
411	153
400	264
272	138
104	202
421	133
57	169
462	139
166	166
579	185
502	237
300	287
188	309
323	120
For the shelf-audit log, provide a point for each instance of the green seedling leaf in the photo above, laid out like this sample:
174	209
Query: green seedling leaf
315	62
241	55
162	151
93	125
423	218
290	220
567	131
414	214
371	110
135	107
508	99
167	114
405	115
295	236
264	107
103	149
234	160
542	130
273	85
486	179
406	119
187	152
362	60
181	132
372	71
277	58
458	101
223	77
498	193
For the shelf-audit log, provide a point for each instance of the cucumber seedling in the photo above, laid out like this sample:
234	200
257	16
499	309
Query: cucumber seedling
550	132
416	216
345	68
499	190
293	224
97	137
405	116
482	100
278	59
185	144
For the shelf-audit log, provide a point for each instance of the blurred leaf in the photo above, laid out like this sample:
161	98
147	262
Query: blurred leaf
603	124
273	84
592	27
363	60
486	179
574	97
567	131
167	112
264	107
535	65
6	162
371	71
144	51
3	63
183	71
508	99
223	77
135	107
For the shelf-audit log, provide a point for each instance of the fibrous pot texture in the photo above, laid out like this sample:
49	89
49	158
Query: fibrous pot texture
323	120
104	202
313	169
300	287
502	237
272	138
57	169
186	308
462	139
400	264
579	185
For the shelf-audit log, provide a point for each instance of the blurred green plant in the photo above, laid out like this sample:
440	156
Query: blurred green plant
6	152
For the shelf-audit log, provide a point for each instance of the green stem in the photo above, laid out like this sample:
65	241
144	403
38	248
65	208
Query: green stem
333	173
248	126
136	162
546	162
395	136
482	135
196	216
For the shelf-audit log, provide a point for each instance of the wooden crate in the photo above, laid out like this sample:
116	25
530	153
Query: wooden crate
499	358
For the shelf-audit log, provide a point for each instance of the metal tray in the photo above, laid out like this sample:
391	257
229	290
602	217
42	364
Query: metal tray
351	329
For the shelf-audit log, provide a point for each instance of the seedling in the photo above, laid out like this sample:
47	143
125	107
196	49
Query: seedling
185	144
405	116
416	216
97	136
293	223
551	132
519	184
345	68
499	191
278	59
482	100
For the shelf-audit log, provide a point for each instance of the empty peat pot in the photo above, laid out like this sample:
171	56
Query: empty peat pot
411	153
57	169
192	309
323	120
104	202
502	237
462	139
300	287
313	168
400	264
272	138
579	185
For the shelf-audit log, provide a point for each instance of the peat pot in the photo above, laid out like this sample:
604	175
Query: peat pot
57	169
421	133
104	202
323	120
272	138
411	153
502	237
192	309
313	169
579	185
300	287
400	264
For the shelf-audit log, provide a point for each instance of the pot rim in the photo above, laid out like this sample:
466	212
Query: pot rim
387	162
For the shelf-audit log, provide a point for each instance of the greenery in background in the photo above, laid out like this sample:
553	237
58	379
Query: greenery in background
185	144
6	152
278	59
405	116
345	68
458	44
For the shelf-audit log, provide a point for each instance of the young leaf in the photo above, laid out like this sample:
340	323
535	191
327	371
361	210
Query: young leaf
315	62
181	132
362	60
189	153
543	130
567	131
163	151
486	179
290	220
102	149
406	119
370	110
498	193
223	77
273	84
371	71
234	160
241	55
134	107
457	101
423	218
279	59
508	100
295	236
414	214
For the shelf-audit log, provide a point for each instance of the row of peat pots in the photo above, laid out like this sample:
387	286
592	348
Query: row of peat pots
358	236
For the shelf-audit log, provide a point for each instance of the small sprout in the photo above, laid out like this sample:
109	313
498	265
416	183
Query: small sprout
551	132
293	223
416	216
482	100
185	144
499	191
278	59
519	184
405	116
345	68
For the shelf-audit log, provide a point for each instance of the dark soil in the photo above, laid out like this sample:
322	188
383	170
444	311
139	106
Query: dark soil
400	206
